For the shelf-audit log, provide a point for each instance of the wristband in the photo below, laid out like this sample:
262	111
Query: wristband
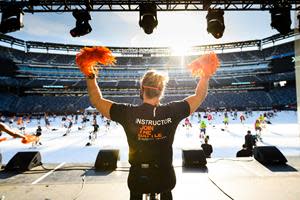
91	76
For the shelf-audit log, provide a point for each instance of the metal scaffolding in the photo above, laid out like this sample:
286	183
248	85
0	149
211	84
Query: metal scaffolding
32	6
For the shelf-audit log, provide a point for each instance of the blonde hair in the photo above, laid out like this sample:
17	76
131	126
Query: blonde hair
153	84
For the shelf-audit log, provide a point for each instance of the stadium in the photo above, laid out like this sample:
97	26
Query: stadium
35	80
42	86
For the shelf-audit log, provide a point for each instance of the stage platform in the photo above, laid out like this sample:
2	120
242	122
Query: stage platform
223	179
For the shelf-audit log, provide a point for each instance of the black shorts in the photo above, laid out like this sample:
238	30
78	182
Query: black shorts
151	180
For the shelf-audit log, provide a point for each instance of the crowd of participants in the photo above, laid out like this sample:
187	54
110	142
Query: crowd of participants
52	122
208	119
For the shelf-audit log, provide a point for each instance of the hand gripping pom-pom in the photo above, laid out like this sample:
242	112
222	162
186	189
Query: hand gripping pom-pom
29	139
88	57
204	66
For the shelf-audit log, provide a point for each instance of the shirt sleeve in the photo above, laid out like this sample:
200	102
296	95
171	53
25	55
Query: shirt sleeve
180	109
118	112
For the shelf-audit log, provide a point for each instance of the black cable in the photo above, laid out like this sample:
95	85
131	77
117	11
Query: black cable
34	172
45	167
82	186
230	159
69	168
220	189
122	170
77	167
126	169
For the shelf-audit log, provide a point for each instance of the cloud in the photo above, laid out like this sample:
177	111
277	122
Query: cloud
128	18
180	29
85	41
46	25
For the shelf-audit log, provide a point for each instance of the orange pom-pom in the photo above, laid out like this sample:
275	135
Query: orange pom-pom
3	139
204	66
88	57
29	139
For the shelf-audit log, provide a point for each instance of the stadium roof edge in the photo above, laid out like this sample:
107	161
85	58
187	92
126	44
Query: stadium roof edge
142	51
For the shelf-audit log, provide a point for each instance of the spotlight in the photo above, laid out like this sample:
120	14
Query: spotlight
215	22
82	23
12	19
89	4
206	4
281	19
148	17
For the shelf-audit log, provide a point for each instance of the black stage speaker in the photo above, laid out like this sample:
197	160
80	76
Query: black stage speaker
107	159
193	158
269	155
23	161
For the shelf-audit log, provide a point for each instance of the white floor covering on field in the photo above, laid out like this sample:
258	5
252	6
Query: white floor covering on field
282	133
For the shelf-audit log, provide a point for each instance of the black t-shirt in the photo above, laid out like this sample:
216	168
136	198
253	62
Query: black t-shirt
249	141
70	124
96	127
38	132
207	148
150	130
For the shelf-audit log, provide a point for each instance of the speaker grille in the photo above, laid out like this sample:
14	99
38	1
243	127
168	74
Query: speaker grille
23	161
107	159
193	158
269	155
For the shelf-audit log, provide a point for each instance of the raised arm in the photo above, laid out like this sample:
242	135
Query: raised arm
196	99
5	128
101	104
204	67
86	60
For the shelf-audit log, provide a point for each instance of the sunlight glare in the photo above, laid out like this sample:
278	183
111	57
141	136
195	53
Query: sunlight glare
179	49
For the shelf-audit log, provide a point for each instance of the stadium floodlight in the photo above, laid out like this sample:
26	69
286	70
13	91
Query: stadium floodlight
148	17
215	22
82	23
281	18
12	19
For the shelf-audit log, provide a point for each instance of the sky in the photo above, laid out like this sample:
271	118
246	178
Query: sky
121	29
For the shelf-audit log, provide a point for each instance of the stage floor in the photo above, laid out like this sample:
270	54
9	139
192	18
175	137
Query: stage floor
239	179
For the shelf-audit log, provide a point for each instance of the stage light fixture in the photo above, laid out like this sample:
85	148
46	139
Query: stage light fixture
206	4
215	22
12	19
281	19
89	4
148	17
82	23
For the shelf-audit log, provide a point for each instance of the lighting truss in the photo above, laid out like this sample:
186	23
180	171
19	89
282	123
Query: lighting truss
32	6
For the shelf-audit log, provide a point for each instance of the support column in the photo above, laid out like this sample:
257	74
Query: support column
297	74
